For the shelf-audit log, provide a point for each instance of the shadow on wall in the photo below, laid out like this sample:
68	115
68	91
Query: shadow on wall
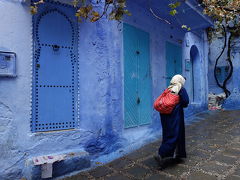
103	144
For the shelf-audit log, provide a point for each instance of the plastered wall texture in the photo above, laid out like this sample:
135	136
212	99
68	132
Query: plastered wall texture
101	136
199	40
233	101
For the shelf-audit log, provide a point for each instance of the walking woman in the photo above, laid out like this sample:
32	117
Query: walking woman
173	128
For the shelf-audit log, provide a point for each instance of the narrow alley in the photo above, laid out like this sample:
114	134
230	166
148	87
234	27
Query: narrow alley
213	146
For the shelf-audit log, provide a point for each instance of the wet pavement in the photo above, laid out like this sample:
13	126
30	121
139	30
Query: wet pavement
213	149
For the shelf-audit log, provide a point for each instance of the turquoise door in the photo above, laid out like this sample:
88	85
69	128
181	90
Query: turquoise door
173	61
137	77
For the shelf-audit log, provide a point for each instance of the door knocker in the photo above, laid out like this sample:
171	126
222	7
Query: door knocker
55	48
138	100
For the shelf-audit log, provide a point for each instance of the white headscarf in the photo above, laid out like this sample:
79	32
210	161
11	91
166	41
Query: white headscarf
176	83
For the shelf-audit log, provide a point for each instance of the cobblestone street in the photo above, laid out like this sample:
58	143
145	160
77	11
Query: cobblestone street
213	149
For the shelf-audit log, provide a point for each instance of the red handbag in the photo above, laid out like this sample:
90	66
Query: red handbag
166	102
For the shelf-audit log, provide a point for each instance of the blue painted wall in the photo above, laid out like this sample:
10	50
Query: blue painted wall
198	40
101	135
233	101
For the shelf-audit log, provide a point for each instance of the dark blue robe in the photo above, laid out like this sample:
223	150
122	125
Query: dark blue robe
173	129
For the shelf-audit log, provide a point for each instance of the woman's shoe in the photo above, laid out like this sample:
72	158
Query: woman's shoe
178	160
160	161
158	158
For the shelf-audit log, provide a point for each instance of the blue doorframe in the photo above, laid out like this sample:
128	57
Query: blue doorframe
137	77
195	73
173	61
55	68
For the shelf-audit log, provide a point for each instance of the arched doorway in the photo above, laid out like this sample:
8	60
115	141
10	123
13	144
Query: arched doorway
195	75
54	70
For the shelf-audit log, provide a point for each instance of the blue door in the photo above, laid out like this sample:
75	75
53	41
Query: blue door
137	77
55	69
173	61
194	75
